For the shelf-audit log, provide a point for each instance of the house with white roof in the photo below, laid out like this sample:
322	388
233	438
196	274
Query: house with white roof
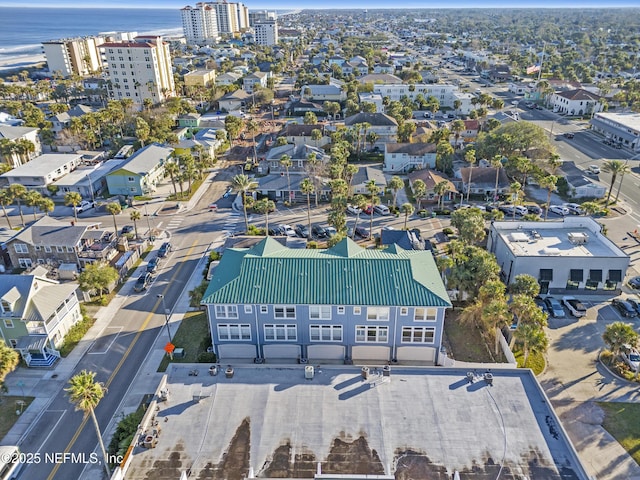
42	171
15	134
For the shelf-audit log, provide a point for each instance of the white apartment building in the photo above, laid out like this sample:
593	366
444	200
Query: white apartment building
74	56
261	16
266	32
139	69
199	24
446	94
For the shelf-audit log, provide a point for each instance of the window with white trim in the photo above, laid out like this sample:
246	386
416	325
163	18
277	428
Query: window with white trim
59	249
8	323
38	248
320	312
69	249
418	334
247	309
325	333
404	311
425	314
25	262
21	248
281	332
226	311
380	314
340	310
284	311
234	331
13	342
357	310
372	334
6	306
47	249
264	309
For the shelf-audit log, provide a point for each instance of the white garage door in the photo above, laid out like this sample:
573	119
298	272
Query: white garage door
281	351
325	352
417	354
236	351
361	353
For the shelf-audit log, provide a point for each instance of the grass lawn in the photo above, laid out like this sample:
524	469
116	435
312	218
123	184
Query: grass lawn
621	421
535	362
467	342
8	407
193	336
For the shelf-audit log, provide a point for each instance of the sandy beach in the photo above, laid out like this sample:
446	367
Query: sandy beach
22	62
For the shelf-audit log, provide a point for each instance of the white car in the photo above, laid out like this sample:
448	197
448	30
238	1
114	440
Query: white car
353	210
521	210
559	210
574	208
84	206
632	358
574	306
288	230
381	209
594	170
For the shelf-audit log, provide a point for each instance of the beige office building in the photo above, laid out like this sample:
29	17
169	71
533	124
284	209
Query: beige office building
74	56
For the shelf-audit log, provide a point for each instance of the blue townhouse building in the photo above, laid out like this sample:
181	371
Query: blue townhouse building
344	303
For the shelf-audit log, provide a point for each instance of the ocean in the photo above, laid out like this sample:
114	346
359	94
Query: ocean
22	30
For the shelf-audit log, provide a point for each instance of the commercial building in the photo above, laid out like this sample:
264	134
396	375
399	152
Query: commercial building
568	256
74	56
261	16
139	70
445	94
345	303
623	128
266	32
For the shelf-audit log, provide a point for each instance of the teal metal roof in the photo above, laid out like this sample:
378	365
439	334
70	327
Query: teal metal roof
269	273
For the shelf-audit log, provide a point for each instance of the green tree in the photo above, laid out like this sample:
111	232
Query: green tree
532	338
373	191
32	199
548	182
46	205
618	334
525	284
470	158
143	130
6	199
173	170
470	225
232	125
244	185
440	189
286	162
419	191
18	193
472	267
73	199
114	209
407	209
307	188
310	118
396	184
359	201
615	168
265	206
85	393
96	277
9	359
135	216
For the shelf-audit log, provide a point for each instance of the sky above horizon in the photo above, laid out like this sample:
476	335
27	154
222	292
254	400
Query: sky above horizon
331	4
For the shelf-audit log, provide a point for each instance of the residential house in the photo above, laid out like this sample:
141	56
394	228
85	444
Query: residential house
207	138
36	313
272	302
7	120
287	188
500	73
374	98
403	157
250	81
62	120
188	120
431	179
482	181
383	125
299	155
233	101
380	78
383	68
14	154
470	132
48	241
200	78
301	134
89	181
570	256
622	128
229	78
299	108
366	174
141	172
580	186
334	92
576	102
42	171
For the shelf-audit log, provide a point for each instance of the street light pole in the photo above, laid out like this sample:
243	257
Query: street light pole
166	316
146	214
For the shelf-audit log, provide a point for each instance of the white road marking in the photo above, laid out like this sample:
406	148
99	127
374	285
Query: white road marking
119	329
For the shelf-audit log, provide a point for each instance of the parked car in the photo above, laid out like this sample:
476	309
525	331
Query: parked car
127	229
575	306
534	209
164	250
634	282
574	208
331	232
302	231
624	307
368	210
594	170
382	210
143	282
568	134
362	232
554	307
213	207
632	358
84	206
353	210
318	231
559	210
227	192
153	264
635	304
288	230
507	209
521	210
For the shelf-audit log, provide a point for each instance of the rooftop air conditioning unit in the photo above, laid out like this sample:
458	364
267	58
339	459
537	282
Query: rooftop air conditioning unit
578	238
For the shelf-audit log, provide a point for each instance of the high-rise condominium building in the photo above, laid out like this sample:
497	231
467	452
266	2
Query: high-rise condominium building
139	69
266	32
260	16
204	22
74	56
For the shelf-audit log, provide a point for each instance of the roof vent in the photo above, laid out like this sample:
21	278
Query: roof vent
578	238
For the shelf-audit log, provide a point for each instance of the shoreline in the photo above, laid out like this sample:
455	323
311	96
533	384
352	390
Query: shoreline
21	63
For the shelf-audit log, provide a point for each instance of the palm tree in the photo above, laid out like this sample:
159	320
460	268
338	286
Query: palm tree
307	188
396	184
31	199
419	191
173	170
496	163
440	189
457	128
46	205
359	201
6	199
548	182
135	216
244	184
18	193
114	209
373	190
516	190
286	162
74	199
615	168
252	128
85	393
265	206
470	158
407	209
532	338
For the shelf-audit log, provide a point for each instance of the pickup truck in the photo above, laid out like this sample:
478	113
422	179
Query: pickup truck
574	306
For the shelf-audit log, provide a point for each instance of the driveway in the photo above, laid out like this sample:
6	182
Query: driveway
575	380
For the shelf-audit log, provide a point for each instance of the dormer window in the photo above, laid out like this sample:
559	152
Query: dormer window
6	306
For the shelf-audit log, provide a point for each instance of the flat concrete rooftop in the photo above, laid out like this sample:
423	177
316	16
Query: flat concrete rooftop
421	423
